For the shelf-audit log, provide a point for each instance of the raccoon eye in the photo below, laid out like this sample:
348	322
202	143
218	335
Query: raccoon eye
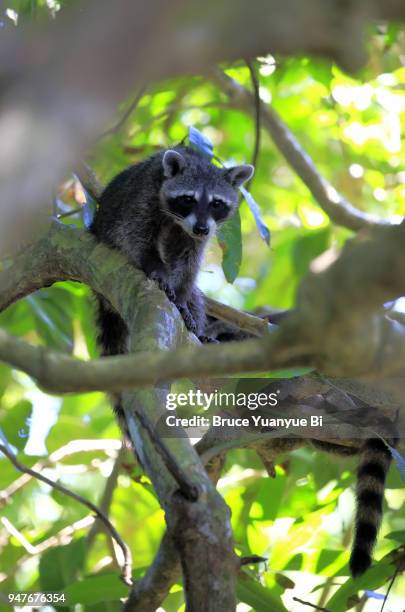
216	203
181	205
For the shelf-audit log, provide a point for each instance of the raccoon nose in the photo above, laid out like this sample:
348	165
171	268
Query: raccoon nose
201	230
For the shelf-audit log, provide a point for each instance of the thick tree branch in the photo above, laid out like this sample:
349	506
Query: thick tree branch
58	373
242	320
188	489
340	210
145	325
149	592
346	299
334	328
200	528
155	327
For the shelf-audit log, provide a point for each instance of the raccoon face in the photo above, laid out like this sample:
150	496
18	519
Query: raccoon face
198	195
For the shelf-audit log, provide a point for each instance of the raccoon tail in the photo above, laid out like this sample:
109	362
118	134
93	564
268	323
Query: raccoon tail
112	330
374	463
112	339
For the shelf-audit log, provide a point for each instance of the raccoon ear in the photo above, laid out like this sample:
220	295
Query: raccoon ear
239	174
173	163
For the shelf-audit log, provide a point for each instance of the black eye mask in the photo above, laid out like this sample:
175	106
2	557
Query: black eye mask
219	210
182	205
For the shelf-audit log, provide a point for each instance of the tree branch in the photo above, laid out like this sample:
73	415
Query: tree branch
64	536
307	603
187	488
149	592
58	373
131	108
242	320
340	210
75	446
342	336
107	496
127	567
52	115
200	529
346	296
258	122
154	326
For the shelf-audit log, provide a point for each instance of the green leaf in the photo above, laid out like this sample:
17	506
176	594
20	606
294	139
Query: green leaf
61	565
374	578
326	557
230	241
52	312
295	563
5	378
391	35
96	589
397	536
287	373
257	596
271	489
15	424
284	581
320	70
307	247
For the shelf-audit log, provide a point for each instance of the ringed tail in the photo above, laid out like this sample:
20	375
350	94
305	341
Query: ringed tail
374	464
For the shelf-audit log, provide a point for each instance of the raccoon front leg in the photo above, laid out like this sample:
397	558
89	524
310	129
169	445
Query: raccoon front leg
154	269
159	278
187	316
196	306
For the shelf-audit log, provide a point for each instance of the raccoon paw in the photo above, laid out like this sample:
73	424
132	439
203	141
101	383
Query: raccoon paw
208	339
163	285
187	318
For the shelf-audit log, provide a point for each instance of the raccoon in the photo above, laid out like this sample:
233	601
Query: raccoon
161	213
373	465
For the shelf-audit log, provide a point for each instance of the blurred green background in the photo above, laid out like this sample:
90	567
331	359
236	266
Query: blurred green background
352	127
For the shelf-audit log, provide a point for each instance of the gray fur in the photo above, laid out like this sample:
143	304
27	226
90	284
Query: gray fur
139	215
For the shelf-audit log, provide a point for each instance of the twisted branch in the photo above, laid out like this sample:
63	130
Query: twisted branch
338	208
127	565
